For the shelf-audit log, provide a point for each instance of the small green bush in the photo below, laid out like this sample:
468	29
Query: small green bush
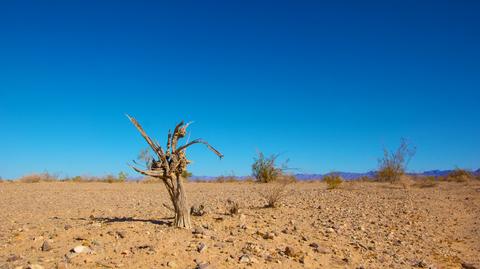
264	168
333	181
392	166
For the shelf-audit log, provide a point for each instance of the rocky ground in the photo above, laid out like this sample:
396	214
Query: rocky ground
125	225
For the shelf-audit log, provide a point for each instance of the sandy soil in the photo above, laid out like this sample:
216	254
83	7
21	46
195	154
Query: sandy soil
125	225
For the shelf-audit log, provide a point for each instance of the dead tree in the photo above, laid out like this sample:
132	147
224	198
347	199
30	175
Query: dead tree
169	166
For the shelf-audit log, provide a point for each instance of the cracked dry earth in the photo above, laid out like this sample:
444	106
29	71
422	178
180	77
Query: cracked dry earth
125	225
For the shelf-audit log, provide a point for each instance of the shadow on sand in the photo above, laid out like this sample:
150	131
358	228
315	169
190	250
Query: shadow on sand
167	222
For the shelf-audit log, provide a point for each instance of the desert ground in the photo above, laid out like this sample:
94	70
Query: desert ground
125	225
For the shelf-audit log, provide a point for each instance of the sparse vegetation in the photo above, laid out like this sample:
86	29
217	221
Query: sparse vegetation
393	164
275	193
459	175
38	177
233	208
333	181
425	182
265	170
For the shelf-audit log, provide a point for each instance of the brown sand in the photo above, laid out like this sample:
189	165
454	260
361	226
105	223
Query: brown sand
125	225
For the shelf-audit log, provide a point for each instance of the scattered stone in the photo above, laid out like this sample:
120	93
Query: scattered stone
67	226
81	249
13	258
198	230
172	264
269	235
201	247
35	266
46	246
245	258
203	266
329	230
291	252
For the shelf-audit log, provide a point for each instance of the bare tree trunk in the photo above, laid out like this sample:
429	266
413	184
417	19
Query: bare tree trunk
169	167
180	204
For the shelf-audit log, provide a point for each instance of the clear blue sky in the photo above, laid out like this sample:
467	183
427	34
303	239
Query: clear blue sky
326	83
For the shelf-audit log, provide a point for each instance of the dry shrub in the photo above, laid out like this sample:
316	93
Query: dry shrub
225	179
198	210
393	164
275	193
333	181
233	208
459	175
425	182
35	178
265	170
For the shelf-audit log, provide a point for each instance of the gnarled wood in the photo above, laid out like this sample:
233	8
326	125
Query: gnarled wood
170	166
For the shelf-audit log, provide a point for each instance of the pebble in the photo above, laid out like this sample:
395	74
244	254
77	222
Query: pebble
244	259
291	252
201	247
171	264
269	235
198	230
46	246
81	249
35	266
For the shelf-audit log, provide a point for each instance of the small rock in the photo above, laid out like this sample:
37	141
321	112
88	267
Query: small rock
171	264
81	249
67	226
35	266
203	266
198	230
46	246
201	247
269	235
13	258
244	259
421	264
291	252
329	230
314	245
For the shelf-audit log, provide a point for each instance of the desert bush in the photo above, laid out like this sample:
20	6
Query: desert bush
425	182
459	175
198	210
122	176
333	181
110	179
229	177
233	208
35	178
275	193
394	163
265	170
186	175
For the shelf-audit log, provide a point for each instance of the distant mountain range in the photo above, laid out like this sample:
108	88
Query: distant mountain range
344	175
